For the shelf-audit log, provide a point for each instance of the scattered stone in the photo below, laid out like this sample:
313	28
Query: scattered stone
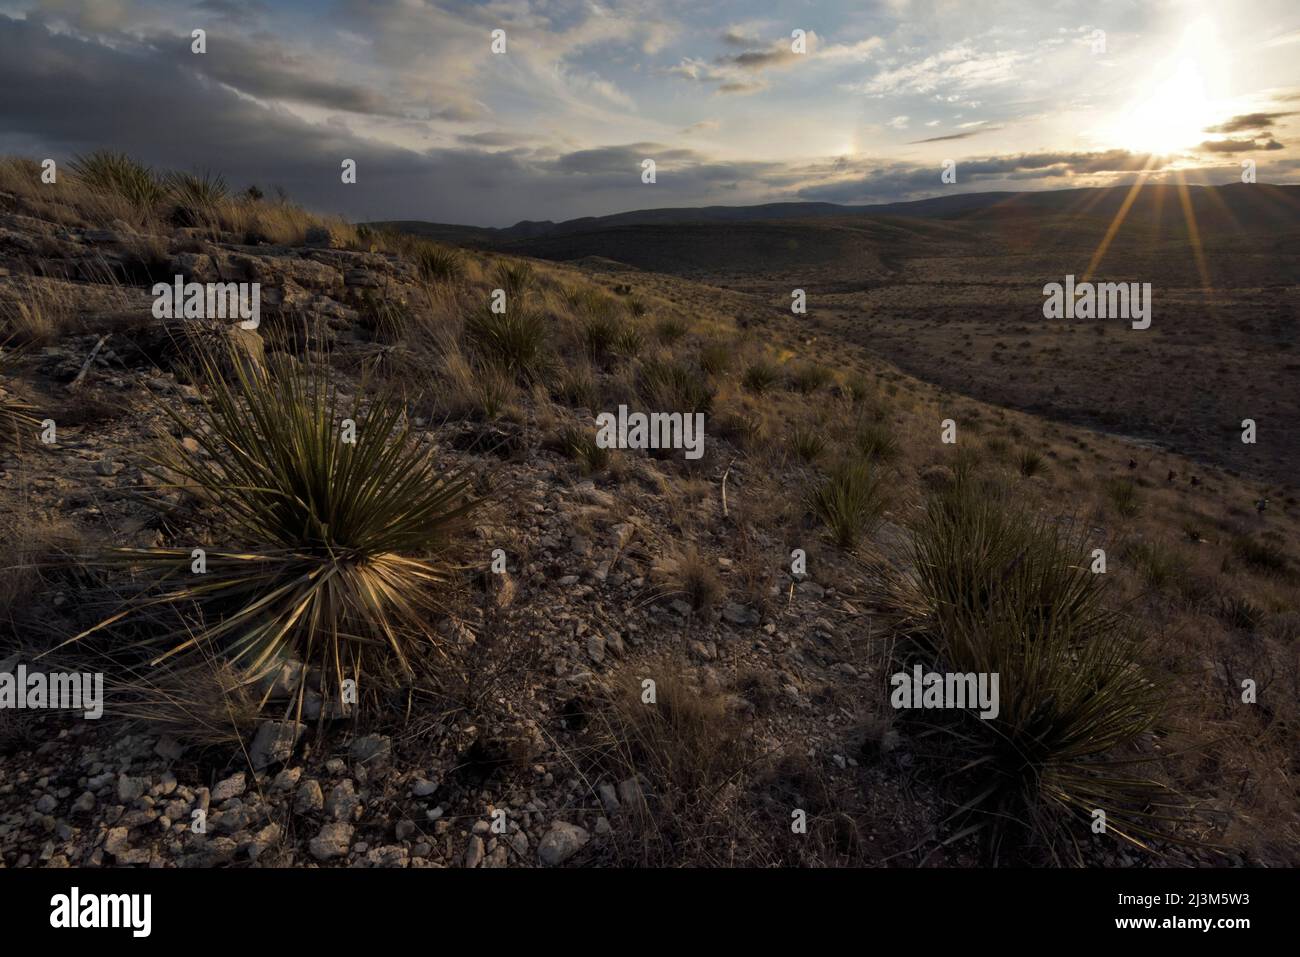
274	743
331	841
560	843
228	788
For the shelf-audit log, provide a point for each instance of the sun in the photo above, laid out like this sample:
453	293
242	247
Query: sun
1175	106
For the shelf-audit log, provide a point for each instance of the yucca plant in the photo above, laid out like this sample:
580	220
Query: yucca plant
1123	496
997	591
200	193
439	263
850	501
576	387
669	329
1030	463
516	278
875	442
807	442
333	551
513	341
581	446
759	376
111	172
671	386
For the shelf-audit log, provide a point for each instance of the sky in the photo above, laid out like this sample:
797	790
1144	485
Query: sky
735	102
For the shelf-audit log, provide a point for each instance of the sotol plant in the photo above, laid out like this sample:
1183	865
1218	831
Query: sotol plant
997	591
332	552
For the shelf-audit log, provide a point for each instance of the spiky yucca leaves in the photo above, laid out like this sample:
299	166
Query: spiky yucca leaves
439	263
516	278
111	172
759	376
850	501
997	591
332	551
580	445
670	386
513	341
198	194
808	442
17	423
876	441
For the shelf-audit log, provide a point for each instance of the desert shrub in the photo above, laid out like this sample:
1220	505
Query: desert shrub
580	445
715	357
809	377
1031	463
858	389
1260	554
629	342
576	387
875	441
599	334
107	171
996	590
808	442
760	376
1240	612
683	764
333	552
745	429
198	196
514	340
516	278
1153	562
18	423
1122	494
670	329
439	263
849	501
695	578
670	386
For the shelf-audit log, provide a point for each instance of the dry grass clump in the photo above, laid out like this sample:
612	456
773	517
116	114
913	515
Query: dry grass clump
850	502
683	757
669	385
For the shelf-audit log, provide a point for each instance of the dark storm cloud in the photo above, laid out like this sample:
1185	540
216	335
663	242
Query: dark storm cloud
1247	121
262	67
81	96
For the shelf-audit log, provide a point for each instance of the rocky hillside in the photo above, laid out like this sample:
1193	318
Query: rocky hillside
765	590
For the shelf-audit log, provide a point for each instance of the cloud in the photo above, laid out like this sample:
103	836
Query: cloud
1247	145
960	68
739	72
967	134
877	181
1247	121
263	67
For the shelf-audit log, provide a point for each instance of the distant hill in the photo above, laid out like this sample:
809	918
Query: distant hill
1237	206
